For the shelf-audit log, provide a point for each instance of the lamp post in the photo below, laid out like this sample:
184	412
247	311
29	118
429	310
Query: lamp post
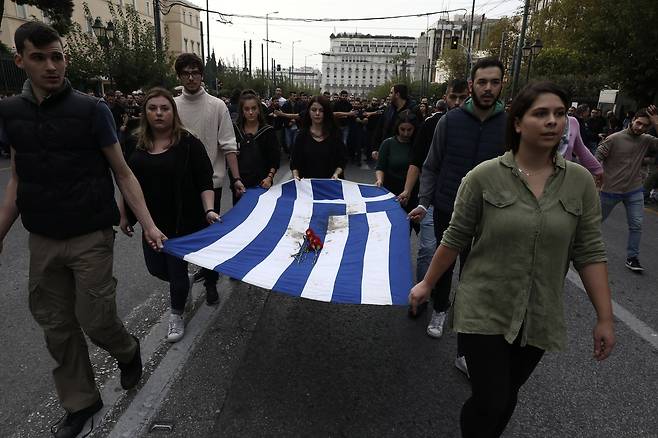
267	36
104	36
292	62
529	52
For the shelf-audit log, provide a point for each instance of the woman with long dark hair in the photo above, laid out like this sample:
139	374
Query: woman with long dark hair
258	147
318	151
528	214
175	174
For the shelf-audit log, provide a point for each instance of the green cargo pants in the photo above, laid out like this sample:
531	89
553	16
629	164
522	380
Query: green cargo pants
72	290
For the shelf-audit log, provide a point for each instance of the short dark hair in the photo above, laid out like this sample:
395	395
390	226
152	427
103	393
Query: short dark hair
488	62
188	60
458	85
343	92
39	34
522	102
402	90
582	108
642	112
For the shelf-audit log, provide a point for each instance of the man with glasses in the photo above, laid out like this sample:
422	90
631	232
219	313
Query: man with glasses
208	118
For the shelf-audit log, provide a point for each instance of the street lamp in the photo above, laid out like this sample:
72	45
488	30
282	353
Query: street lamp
104	36
529	52
292	62
267	37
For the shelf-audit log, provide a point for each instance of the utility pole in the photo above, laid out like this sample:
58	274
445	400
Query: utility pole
207	26
470	43
249	58
262	61
244	54
203	55
519	49
158	27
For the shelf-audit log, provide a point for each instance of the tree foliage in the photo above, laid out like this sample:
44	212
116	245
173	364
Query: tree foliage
597	46
453	61
130	59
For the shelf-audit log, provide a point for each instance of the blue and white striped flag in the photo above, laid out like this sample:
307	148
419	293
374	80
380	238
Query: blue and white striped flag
365	257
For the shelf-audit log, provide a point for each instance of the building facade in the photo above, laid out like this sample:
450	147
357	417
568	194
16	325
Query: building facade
181	23
307	77
358	63
433	42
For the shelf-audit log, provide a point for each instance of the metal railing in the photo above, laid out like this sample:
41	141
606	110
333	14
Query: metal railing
11	77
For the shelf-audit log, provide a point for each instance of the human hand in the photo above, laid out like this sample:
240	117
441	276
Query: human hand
266	183
604	339
155	238
375	155
598	180
379	182
418	295
212	217
653	114
417	214
125	226
403	197
334	176
239	188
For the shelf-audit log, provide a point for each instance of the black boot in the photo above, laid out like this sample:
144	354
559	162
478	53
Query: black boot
131	372
71	424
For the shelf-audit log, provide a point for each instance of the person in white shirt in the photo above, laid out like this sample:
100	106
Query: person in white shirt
208	118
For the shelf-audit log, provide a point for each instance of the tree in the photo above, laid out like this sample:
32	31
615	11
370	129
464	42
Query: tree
58	12
454	63
130	59
210	72
620	48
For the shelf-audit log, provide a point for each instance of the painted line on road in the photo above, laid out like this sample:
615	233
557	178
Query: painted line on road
621	313
143	408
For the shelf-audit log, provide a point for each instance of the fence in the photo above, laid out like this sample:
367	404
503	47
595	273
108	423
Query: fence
11	77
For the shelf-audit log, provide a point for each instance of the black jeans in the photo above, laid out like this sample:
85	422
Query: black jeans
210	277
441	292
172	270
497	370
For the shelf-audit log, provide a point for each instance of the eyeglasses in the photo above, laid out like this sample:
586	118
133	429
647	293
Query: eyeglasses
190	74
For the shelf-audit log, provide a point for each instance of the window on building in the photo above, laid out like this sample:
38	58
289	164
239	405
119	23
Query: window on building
21	11
90	23
197	21
198	48
148	9
185	39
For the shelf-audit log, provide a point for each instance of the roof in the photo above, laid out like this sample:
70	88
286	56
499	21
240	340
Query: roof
368	36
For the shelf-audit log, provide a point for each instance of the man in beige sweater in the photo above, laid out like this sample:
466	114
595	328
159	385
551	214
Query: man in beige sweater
208	118
622	155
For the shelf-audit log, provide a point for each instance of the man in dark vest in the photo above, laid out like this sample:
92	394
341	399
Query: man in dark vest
463	138
63	146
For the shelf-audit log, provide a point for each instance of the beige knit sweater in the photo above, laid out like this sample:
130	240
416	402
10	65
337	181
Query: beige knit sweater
208	118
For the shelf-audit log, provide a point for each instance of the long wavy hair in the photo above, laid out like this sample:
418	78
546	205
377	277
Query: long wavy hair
329	126
145	133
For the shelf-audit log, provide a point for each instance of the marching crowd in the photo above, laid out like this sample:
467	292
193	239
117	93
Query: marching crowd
516	193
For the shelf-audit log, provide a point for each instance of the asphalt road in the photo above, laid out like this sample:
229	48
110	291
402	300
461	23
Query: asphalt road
265	364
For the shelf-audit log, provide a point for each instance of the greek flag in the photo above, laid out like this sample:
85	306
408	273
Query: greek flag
365	257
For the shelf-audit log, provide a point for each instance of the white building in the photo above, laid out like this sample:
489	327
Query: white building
307	77
358	63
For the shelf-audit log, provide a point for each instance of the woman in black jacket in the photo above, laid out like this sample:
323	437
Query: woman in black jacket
258	148
175	174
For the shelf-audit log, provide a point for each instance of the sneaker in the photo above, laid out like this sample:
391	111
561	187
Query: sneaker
435	327
212	297
131	372
460	364
634	264
71	424
176	328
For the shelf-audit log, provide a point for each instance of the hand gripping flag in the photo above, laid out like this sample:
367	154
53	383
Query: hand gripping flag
365	253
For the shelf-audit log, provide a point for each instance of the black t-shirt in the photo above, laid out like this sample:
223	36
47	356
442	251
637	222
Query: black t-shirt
317	159
154	173
342	106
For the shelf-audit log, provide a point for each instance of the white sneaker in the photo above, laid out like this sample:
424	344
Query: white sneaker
176	328
435	327
460	364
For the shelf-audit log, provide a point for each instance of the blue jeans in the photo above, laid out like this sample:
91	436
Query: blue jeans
426	244
634	203
291	135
